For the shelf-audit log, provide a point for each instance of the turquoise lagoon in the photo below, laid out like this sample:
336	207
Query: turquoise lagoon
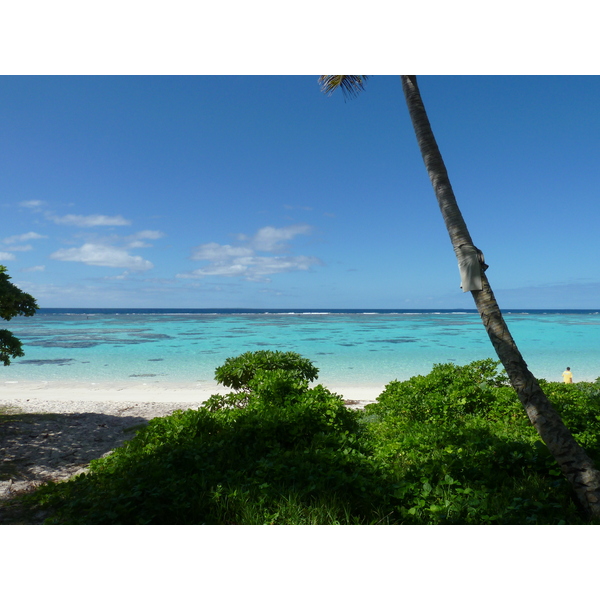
358	347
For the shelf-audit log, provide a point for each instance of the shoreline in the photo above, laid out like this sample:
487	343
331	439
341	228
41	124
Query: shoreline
72	395
88	393
66	395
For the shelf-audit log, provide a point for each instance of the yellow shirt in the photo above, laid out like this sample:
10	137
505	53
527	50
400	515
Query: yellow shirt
568	377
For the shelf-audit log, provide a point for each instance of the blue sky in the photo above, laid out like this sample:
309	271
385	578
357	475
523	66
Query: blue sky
260	191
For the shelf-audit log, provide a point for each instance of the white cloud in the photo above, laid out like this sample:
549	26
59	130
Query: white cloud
223	270
89	220
254	268
34	269
7	256
121	277
36	204
259	267
103	256
137	239
24	237
269	239
217	253
243	261
149	234
26	248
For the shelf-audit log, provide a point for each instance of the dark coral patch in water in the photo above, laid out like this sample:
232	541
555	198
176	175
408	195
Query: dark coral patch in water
145	375
402	340
53	361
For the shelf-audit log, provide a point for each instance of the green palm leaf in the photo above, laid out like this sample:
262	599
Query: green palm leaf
351	85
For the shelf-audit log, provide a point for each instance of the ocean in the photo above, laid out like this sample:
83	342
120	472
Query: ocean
352	347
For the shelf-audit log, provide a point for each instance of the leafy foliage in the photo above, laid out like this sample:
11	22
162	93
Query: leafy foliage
465	451
10	347
351	85
450	391
579	407
290	451
13	302
238	371
450	447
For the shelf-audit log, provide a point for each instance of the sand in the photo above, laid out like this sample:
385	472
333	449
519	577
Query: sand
60	396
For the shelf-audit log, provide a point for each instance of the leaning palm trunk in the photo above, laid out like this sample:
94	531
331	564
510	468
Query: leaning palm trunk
575	464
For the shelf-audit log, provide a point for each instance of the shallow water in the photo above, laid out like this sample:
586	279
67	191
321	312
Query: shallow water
353	348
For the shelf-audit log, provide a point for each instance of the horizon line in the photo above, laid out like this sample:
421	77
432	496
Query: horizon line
289	309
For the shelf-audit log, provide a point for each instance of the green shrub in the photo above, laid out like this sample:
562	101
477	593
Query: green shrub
201	467
579	408
237	372
451	391
291	452
451	447
465	452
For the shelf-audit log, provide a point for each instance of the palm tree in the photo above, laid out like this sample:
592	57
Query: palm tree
574	463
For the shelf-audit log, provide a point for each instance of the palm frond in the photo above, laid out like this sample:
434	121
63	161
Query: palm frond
351	85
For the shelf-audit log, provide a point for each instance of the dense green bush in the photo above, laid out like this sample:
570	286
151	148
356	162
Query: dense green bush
451	392
579	407
263	374
453	446
462	446
237	372
292	454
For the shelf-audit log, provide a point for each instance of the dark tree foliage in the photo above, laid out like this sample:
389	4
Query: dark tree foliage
13	302
237	372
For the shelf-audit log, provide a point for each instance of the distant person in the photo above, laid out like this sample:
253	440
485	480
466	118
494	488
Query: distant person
568	376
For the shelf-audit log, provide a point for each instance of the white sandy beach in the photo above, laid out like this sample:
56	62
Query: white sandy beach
67	396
